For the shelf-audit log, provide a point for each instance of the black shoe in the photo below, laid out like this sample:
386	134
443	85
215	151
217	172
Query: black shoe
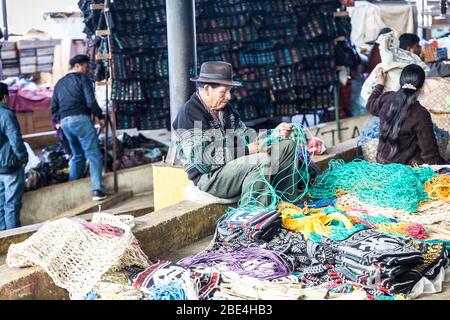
98	195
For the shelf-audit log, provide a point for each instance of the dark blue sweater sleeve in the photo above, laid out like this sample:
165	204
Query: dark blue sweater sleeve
89	96
55	106
15	138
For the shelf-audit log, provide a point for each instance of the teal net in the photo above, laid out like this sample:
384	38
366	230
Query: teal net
389	185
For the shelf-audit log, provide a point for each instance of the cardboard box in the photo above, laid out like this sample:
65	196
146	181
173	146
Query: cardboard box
9	45
28	61
45	59
27	53
45	68
10	72
45	51
28	69
36	43
10	63
10	54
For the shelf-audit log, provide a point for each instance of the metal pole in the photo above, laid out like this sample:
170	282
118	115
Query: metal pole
5	20
113	105
182	51
105	151
336	112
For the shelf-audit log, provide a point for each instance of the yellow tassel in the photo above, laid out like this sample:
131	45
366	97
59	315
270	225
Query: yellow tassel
313	220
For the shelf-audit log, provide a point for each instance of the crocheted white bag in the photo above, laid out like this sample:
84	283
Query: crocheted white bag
76	253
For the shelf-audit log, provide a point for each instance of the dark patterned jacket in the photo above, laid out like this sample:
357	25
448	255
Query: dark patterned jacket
416	140
204	145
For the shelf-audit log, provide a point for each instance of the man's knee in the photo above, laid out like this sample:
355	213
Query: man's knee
287	144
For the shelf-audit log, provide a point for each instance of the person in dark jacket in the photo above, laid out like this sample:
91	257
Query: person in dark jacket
406	129
73	103
411	42
13	159
219	153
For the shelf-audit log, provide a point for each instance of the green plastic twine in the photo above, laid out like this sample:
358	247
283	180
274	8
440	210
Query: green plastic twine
390	185
253	199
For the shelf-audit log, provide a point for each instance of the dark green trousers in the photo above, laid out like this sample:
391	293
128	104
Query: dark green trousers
244	175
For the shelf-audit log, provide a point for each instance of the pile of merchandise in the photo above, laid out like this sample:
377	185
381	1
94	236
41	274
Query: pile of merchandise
436	49
25	95
381	235
132	151
284	51
52	169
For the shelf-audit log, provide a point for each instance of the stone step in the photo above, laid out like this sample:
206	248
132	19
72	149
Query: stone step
122	204
93	206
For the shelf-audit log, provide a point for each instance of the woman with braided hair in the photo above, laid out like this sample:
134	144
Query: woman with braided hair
406	129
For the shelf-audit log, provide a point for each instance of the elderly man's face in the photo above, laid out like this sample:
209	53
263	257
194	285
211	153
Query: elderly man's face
218	97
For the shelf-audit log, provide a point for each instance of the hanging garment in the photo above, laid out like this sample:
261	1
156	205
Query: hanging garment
368	19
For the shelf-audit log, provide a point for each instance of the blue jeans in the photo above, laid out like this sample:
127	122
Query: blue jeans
11	190
80	132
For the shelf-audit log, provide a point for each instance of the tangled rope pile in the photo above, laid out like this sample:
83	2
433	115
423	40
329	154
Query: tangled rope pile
391	185
439	188
253	262
249	202
414	230
168	290
429	213
310	221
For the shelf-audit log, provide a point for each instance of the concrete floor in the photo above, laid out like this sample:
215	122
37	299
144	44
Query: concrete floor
141	204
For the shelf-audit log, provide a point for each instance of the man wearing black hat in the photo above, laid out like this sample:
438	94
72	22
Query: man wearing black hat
13	159
219	153
73	103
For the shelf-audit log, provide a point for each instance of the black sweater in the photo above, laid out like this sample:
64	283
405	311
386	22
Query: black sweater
74	95
211	145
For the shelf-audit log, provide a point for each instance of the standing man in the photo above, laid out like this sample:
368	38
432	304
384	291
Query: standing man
219	153
73	103
13	159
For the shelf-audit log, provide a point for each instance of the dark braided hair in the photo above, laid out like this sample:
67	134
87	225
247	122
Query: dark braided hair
403	100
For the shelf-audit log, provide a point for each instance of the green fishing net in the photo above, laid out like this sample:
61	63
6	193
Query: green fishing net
389	185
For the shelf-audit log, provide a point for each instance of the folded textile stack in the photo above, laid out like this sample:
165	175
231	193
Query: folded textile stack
378	260
284	51
10	59
247	226
164	280
387	263
36	55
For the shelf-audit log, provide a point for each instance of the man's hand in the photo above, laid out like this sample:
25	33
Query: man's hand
381	76
58	126
283	130
256	147
102	122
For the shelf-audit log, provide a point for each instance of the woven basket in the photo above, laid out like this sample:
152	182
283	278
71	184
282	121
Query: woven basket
441	119
369	150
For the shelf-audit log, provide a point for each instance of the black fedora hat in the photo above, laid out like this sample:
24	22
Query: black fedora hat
218	72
